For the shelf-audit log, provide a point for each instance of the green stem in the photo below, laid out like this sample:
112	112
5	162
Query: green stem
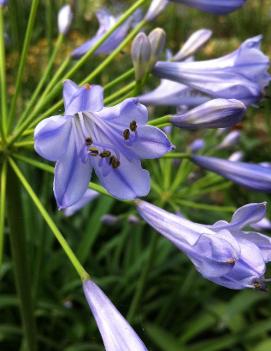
3	184
119	93
20	259
3	123
44	78
58	235
143	278
205	207
20	72
177	155
120	79
160	120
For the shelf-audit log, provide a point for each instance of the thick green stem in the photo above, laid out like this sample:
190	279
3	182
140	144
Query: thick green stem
143	278
3	184
3	122
128	88
58	235
20	262
20	72
160	121
120	79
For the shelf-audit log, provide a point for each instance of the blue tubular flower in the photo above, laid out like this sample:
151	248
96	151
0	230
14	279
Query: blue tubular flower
250	175
170	93
3	2
106	22
212	255
223	252
65	17
116	332
88	197
241	75
217	113
111	140
218	7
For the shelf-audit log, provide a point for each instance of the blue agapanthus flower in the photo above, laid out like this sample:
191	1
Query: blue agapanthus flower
218	7
116	332
241	75
250	175
89	196
224	252
106	22
112	140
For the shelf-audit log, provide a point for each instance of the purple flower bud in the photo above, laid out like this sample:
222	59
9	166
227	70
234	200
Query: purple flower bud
156	7
223	252
217	113
157	39
197	145
3	2
65	17
193	44
116	332
236	156
230	140
218	7
109	219
249	175
141	55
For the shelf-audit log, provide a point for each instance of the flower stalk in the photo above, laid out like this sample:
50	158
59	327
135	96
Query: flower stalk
3	123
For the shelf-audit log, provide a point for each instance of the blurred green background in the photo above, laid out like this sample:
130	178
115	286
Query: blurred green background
179	310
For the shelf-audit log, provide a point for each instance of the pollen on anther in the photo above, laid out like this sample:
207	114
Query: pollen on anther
105	153
114	162
93	151
87	86
126	134
133	126
231	261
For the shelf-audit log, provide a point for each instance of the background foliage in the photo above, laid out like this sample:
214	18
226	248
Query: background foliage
179	310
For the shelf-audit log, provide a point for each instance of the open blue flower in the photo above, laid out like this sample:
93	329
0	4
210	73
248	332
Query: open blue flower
106	22
241	75
224	252
111	140
116	332
250	175
218	7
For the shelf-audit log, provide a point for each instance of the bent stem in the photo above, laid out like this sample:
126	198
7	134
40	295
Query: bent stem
21	268
62	241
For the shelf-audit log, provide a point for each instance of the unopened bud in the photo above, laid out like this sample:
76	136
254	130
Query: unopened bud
65	17
141	55
109	219
156	7
157	39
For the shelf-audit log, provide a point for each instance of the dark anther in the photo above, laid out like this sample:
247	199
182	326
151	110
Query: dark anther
93	151
126	134
87	86
89	141
133	126
231	261
105	153
259	285
114	162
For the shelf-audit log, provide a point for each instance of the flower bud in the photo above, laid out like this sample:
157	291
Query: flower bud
141	55
65	17
230	140
157	6
157	39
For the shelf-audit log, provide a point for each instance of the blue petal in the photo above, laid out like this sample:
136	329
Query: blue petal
126	182
72	176
150	143
88	98
69	90
249	175
52	136
218	7
88	197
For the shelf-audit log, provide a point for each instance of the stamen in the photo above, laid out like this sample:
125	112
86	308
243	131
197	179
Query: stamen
259	285
231	261
114	162
93	151
133	126
126	134
89	141
105	153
